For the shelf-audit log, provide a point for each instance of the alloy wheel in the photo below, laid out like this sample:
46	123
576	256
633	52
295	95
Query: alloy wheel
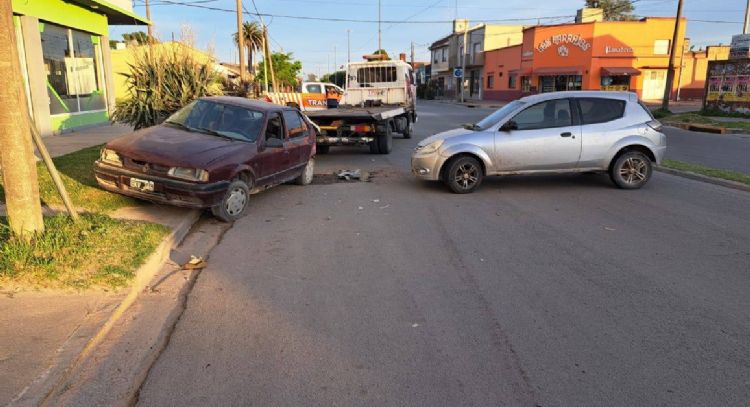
634	170
466	175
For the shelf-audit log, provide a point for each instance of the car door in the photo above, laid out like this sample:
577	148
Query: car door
272	161
544	136
603	125
298	143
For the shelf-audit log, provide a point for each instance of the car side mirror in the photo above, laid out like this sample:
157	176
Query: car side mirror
274	143
509	125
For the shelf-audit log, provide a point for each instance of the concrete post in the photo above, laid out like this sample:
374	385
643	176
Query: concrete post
109	80
32	46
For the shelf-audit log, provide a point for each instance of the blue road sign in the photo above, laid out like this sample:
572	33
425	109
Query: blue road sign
458	73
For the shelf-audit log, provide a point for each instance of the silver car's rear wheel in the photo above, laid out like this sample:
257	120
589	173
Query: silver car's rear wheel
631	170
463	175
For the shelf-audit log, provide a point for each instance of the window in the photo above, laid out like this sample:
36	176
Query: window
549	114
314	89
525	84
227	120
512	80
601	110
72	61
294	124
434	57
559	83
475	50
275	129
661	47
376	74
490	80
445	54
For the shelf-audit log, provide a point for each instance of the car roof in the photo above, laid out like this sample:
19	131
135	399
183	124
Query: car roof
247	103
541	97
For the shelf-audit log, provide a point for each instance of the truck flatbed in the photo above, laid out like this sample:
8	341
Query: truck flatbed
356	112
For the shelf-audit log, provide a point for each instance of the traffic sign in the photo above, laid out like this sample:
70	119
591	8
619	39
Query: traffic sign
458	73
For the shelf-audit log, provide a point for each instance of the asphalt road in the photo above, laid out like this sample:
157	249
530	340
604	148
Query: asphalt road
534	291
726	151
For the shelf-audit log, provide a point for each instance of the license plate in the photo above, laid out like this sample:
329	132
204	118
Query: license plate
142	185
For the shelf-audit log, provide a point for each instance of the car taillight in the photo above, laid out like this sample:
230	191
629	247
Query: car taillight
654	124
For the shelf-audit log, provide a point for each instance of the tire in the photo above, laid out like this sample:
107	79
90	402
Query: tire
322	149
385	141
306	177
234	203
409	130
631	170
463	175
374	146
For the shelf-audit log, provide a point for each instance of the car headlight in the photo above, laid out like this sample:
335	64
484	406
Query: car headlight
111	157
190	174
430	148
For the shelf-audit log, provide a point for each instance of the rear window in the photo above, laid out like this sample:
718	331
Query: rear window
601	110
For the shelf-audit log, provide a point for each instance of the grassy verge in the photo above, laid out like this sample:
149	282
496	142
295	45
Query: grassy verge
699	118
76	170
708	171
96	252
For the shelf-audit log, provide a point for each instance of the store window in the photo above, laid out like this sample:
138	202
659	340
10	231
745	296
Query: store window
73	64
616	83
525	84
512	80
559	83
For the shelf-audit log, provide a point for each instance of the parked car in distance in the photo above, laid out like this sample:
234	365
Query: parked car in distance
213	153
548	133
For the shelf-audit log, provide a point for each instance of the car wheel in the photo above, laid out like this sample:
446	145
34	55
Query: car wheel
385	141
409	130
631	170
234	203
306	177
322	149
464	175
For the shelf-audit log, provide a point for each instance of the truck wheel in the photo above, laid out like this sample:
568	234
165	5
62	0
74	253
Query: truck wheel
374	149
322	149
234	203
385	141
409	129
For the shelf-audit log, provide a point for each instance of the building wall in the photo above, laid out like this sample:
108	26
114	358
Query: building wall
692	81
500	36
63	13
500	64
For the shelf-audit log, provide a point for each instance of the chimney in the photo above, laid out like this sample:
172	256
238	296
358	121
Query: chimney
589	15
402	56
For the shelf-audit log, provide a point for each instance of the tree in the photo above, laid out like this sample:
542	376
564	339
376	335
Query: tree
382	52
338	78
614	10
139	37
17	153
311	77
285	69
252	33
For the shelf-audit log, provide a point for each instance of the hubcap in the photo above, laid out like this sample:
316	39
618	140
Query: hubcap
236	201
309	170
633	170
467	175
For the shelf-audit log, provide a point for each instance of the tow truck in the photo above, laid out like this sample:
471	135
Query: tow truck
379	99
311	96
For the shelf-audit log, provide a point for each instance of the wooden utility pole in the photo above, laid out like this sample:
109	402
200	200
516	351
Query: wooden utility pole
24	208
412	56
150	24
265	61
270	60
673	50
379	42
241	40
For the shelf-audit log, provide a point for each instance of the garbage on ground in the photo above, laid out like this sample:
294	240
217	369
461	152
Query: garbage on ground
195	263
349	174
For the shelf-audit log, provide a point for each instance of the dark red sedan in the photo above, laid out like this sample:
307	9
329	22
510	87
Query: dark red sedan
213	153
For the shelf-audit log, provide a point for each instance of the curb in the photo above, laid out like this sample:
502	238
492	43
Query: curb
144	276
705	129
704	178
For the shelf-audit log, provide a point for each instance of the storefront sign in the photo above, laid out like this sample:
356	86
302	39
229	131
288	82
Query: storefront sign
617	50
559	39
740	47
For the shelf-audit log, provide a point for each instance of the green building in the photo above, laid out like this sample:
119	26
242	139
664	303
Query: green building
65	59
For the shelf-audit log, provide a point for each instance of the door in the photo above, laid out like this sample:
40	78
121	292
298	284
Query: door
272	162
654	83
547	136
298	144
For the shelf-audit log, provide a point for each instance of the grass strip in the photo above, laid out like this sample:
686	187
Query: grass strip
708	171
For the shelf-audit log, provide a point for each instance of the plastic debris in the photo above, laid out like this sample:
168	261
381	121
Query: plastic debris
349	174
195	263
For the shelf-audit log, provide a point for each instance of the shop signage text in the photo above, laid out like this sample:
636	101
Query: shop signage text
617	50
573	39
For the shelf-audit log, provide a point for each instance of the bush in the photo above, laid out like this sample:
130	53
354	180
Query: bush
661	113
714	111
163	79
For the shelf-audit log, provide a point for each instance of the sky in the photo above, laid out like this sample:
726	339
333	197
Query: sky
322	45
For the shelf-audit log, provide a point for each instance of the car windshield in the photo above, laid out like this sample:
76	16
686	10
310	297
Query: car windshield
218	119
497	116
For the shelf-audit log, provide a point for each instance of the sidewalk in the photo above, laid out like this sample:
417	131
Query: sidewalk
487	104
43	332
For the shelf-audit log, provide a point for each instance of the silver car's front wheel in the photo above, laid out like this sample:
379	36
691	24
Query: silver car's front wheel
631	170
463	174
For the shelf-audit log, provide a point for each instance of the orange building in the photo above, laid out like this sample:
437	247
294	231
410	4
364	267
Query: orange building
596	55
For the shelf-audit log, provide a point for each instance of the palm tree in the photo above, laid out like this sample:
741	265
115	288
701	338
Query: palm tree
253	36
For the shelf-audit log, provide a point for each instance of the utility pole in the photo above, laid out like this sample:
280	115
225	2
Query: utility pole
265	61
349	46
747	18
463	61
150	24
270	60
17	159
670	70
379	44
412	55
335	66
240	41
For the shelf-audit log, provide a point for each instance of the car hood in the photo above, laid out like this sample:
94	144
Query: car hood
445	136
169	146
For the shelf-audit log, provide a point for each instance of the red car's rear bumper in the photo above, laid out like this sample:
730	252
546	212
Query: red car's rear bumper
166	191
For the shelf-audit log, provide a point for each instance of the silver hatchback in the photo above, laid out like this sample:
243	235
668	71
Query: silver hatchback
548	133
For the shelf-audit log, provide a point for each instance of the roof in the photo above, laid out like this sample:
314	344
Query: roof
443	42
541	97
247	103
115	14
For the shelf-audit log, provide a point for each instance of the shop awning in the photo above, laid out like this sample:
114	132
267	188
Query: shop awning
521	72
115	14
563	70
623	71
